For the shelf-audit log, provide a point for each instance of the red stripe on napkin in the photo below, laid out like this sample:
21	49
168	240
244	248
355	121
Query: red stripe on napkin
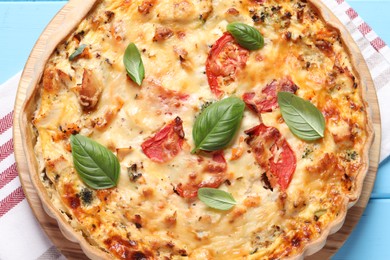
6	149
340	1
378	43
11	201
8	175
6	122
352	14
364	28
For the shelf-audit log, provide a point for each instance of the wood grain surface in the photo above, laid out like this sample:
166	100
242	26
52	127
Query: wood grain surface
73	251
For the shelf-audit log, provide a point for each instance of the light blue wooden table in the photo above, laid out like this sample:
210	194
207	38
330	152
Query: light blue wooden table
21	22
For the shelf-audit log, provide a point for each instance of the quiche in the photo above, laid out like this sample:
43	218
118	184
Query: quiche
200	129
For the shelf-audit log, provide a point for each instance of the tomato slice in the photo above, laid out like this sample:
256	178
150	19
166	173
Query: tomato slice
166	143
224	61
166	101
266	100
273	153
284	165
212	176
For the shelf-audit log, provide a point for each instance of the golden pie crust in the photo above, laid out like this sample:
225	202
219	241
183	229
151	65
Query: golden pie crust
151	213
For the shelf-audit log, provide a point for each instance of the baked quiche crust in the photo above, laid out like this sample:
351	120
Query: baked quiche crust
153	212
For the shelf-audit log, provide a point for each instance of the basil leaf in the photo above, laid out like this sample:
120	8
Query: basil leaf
133	64
79	50
301	116
215	127
246	35
96	165
216	199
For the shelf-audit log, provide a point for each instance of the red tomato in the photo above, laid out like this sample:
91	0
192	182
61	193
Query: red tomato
266	100
212	176
170	97
225	59
169	101
273	154
166	143
284	166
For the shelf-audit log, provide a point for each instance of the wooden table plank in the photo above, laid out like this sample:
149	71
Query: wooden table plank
376	14
382	184
20	26
370	239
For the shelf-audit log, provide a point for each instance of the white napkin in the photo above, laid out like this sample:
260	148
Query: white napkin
24	238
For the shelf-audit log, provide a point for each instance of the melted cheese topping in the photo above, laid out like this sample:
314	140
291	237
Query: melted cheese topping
144	217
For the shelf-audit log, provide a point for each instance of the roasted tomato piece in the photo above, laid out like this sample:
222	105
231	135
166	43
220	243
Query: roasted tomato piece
273	154
164	101
224	61
212	176
266	99
170	98
166	143
283	165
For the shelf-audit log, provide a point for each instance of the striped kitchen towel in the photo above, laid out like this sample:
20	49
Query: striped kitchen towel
16	218
18	225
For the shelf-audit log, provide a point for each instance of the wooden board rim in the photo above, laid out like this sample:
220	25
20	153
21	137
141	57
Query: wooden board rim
73	250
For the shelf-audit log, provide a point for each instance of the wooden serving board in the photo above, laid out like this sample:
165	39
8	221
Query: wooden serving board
73	251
